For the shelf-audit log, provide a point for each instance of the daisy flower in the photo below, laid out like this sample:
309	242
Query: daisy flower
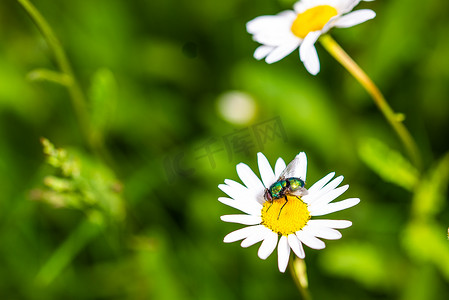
283	33
291	217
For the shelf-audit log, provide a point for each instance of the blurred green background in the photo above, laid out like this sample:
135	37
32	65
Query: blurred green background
175	101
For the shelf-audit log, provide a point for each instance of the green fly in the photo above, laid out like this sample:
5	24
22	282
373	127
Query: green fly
287	184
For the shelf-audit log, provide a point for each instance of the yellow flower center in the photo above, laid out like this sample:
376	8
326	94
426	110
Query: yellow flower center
289	219
312	19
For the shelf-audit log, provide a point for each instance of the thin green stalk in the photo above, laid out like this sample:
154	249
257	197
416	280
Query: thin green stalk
68	79
61	258
76	95
298	271
394	119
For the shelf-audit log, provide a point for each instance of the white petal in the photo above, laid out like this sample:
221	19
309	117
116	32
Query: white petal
308	54
303	5
273	30
332	185
242	219
239	234
328	233
239	188
259	233
262	23
354	18
282	51
248	178
340	224
328	197
236	185
283	253
275	39
238	191
296	245
251	208
279	167
265	170
323	232
311	197
270	23
235	193
333	207
344	6
329	24
320	183
262	51
310	240
268	245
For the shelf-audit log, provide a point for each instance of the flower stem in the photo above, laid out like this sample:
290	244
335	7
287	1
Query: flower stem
299	273
76	94
61	258
394	119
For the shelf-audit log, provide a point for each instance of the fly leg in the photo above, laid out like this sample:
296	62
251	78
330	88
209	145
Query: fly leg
269	206
286	200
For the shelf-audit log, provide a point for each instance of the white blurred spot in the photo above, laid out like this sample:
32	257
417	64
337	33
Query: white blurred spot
236	107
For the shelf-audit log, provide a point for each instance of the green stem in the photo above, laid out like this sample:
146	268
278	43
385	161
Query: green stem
76	95
61	258
298	271
394	119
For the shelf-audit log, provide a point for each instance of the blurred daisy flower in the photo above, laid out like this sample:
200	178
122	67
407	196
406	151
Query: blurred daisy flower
288	213
288	30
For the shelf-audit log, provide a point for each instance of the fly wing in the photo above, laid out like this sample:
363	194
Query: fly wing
300	192
289	171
